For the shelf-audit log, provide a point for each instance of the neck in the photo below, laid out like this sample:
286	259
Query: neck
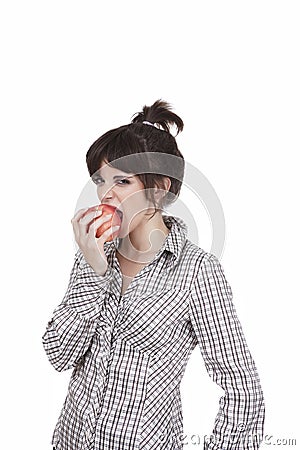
145	240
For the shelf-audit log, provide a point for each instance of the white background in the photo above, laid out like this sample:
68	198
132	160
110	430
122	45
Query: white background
73	70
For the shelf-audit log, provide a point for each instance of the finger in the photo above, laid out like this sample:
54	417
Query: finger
78	214
87	218
86	223
97	223
109	231
74	222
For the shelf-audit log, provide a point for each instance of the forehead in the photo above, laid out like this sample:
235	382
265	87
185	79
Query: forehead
107	170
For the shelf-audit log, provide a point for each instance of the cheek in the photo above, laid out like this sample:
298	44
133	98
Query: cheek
134	202
134	208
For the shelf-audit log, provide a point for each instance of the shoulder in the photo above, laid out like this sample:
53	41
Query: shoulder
198	255
200	264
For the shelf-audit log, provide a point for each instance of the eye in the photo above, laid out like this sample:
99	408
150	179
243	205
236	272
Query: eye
125	181
97	180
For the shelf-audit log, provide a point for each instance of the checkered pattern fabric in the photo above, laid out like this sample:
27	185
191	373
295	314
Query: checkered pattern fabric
129	352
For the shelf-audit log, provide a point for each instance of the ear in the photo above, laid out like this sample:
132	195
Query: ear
164	185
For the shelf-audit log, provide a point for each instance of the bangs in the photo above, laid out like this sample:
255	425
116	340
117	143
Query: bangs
124	150
113	145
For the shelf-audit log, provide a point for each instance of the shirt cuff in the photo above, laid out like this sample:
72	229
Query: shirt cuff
87	274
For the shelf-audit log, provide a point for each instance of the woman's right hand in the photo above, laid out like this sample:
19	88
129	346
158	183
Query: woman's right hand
85	236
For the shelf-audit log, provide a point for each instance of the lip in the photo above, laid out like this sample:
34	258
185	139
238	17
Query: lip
119	212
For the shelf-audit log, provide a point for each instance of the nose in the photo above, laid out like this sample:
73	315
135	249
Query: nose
105	193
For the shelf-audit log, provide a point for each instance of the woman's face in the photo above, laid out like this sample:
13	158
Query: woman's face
126	192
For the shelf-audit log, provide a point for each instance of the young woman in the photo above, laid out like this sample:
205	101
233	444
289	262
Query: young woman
136	307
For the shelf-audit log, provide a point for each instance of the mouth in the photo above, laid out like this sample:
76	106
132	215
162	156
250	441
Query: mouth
119	213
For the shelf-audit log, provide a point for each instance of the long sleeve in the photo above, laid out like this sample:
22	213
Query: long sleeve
240	419
69	332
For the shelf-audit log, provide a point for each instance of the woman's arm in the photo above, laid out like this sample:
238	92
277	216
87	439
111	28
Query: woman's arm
240	419
69	332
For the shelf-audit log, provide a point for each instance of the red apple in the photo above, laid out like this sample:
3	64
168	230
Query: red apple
115	220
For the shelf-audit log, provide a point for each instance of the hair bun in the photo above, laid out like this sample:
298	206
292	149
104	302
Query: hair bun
159	113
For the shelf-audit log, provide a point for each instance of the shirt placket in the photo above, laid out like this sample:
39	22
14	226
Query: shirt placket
117	302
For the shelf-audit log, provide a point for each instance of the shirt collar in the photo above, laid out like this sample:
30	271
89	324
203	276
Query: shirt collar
174	242
177	236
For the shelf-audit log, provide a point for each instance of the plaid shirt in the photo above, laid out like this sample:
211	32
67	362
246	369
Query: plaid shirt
129	352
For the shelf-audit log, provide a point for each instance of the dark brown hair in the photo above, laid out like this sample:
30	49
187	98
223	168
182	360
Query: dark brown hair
139	139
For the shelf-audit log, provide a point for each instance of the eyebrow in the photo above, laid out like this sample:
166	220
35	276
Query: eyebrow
116	176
